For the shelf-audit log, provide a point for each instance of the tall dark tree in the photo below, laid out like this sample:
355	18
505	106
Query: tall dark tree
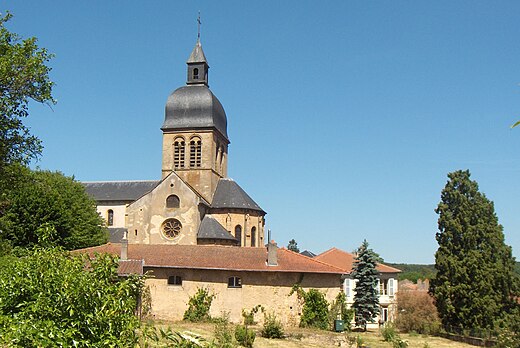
475	286
366	297
293	246
24	76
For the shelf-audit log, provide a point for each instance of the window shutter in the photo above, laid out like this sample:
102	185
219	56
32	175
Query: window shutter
347	287
391	286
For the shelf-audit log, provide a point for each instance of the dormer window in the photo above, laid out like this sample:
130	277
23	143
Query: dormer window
196	73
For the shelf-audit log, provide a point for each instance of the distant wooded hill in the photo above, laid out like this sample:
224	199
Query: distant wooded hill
413	271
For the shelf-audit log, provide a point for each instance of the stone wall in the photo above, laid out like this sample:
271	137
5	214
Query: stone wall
145	217
269	289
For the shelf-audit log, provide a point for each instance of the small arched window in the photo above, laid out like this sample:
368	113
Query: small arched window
173	202
253	236
195	152
110	217
178	153
234	282
196	73
238	234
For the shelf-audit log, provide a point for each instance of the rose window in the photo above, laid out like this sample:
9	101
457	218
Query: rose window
171	228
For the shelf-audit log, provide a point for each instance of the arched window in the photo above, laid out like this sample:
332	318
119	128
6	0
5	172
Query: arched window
178	153
195	73
110	217
173	201
195	152
238	234
253	236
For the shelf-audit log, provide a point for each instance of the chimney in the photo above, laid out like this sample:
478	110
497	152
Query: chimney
272	258
124	247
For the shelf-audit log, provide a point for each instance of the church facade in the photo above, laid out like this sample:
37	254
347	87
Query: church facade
194	203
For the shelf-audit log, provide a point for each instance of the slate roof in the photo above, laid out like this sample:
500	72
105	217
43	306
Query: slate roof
216	257
118	190
197	55
230	195
210	228
194	107
344	260
308	253
115	234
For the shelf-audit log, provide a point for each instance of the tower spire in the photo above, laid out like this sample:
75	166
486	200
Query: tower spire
198	27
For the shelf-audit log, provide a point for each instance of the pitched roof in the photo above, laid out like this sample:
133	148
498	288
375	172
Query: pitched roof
115	234
127	267
197	55
344	260
230	195
118	190
308	253
216	257
210	228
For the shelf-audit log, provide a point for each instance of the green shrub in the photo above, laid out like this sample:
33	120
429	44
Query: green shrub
223	332
272	327
315	308
399	343
338	309
389	333
199	306
244	336
249	317
49	298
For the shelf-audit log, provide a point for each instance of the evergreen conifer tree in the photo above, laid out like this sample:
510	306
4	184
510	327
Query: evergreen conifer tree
366	297
475	286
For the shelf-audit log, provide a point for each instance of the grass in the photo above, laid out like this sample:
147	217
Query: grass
309	338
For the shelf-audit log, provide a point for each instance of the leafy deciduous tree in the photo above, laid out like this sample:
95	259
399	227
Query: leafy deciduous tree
366	297
475	286
50	299
24	76
49	209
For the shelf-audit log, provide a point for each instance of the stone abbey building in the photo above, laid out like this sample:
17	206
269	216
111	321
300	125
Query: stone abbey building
195	202
197	228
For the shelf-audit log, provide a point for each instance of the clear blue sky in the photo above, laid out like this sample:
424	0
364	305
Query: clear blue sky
344	116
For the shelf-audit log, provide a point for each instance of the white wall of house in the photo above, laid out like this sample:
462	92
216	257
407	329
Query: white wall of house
387	287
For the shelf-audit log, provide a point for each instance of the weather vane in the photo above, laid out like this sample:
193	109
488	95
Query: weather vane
198	26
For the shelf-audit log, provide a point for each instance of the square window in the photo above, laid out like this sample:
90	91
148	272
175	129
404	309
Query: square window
174	280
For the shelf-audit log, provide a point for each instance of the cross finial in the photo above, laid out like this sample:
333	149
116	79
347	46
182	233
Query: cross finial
198	26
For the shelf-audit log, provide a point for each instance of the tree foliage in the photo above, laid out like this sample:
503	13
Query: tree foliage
475	286
24	76
315	307
417	313
366	297
293	246
199	306
48	209
50	299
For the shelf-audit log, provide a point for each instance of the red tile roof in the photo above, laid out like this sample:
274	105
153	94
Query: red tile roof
345	261
216	257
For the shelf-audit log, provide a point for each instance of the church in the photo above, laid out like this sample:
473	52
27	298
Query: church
197	228
194	203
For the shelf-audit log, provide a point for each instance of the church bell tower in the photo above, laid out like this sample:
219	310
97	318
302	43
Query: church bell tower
195	140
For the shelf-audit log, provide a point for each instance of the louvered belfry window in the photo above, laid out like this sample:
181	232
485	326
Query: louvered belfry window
195	152
178	153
